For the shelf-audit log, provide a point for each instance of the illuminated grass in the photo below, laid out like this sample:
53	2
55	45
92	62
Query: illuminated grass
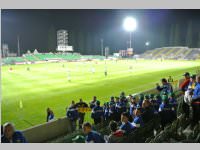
46	85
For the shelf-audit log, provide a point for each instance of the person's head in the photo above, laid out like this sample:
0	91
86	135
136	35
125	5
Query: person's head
48	110
80	100
198	79
164	81
193	78
122	94
133	100
186	75
137	112
113	126
112	98
145	104
98	103
87	127
94	98
141	96
8	130
124	117
117	99
73	103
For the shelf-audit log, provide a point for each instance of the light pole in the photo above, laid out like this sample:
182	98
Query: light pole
130	25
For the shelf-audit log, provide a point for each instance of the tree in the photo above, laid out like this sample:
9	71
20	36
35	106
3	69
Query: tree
52	39
189	35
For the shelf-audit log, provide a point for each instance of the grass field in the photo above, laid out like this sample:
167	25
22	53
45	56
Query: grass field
46	85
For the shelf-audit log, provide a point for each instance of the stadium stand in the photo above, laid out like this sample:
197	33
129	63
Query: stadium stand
172	53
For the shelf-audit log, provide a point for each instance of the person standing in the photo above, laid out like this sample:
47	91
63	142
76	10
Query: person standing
196	102
81	115
50	114
72	114
97	113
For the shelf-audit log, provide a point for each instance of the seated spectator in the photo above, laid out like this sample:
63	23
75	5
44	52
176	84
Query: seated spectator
50	114
166	112
172	101
126	126
116	134
72	114
117	110
10	135
196	102
133	105
141	98
148	111
97	113
165	88
92	136
138	121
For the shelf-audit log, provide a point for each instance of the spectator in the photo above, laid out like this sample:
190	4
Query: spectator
1	130
72	114
106	111
170	79
92	136
138	121
148	111
172	101
11	135
81	115
141	98
93	102
196	102
50	114
126	126
184	85
133	106
165	88
116	134
112	109
165	111
97	113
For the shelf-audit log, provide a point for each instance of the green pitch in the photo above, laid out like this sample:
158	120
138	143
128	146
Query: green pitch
47	85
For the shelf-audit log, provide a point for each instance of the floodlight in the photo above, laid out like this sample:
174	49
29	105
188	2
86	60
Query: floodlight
147	43
130	24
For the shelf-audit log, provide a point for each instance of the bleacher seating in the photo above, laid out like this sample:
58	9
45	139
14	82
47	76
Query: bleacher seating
172	53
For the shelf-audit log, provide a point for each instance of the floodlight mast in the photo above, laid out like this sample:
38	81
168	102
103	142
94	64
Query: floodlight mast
130	26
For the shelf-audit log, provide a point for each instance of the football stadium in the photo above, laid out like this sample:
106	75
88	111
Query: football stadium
137	82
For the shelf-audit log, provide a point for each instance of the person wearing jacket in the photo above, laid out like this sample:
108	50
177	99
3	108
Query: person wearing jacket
72	114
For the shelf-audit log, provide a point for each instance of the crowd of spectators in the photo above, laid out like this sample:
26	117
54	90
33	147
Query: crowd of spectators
126	114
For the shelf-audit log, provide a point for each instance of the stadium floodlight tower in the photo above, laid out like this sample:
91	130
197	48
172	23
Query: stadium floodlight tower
130	25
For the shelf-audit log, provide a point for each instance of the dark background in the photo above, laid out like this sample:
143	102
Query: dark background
37	29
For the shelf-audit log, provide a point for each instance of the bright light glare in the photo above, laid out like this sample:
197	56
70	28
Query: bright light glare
147	43
130	24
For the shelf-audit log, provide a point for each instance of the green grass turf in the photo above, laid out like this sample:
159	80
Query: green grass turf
46	85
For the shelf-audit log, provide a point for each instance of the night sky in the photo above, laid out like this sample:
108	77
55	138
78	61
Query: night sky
33	27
